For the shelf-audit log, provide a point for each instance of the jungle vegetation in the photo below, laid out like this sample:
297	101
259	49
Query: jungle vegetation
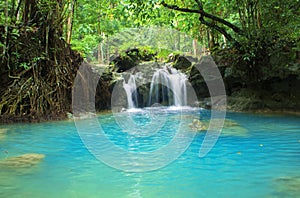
43	42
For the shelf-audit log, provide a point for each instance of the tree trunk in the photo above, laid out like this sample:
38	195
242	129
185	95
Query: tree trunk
101	48
211	41
6	26
178	40
195	47
224	40
100	60
17	13
107	50
70	22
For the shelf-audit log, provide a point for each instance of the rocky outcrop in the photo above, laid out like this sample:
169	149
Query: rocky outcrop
272	85
277	91
271	95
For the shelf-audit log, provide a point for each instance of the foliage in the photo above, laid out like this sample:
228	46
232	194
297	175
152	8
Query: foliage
255	30
157	37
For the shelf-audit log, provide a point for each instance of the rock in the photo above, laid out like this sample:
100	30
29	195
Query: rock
198	83
3	133
237	131
69	115
181	63
85	115
171	57
131	58
230	127
122	64
22	161
192	59
197	125
288	186
244	100
230	123
105	77
103	92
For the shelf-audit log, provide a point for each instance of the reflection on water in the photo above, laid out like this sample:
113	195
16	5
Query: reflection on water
254	156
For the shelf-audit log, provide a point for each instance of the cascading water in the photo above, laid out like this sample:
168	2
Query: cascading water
131	92
168	86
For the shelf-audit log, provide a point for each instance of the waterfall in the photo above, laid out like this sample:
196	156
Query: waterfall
168	87
131	92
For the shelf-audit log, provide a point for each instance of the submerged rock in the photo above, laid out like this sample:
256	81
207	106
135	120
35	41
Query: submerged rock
235	131
197	125
287	186
22	161
3	133
230	127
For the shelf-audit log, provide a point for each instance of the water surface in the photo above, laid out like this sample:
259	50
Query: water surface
255	156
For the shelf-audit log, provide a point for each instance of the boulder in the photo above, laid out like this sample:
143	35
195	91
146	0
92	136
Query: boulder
122	64
181	63
198	83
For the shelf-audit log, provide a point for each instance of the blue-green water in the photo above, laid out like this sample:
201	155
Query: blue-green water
255	156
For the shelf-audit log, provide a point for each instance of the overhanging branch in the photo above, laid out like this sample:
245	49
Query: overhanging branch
203	15
216	27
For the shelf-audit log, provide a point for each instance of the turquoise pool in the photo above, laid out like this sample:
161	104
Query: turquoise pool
255	156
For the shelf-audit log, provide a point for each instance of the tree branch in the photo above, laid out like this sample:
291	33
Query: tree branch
207	15
220	20
219	29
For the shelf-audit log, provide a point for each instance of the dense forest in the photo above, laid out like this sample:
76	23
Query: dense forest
43	43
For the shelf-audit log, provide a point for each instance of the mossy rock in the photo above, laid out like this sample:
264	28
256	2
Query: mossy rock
131	58
197	125
181	63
